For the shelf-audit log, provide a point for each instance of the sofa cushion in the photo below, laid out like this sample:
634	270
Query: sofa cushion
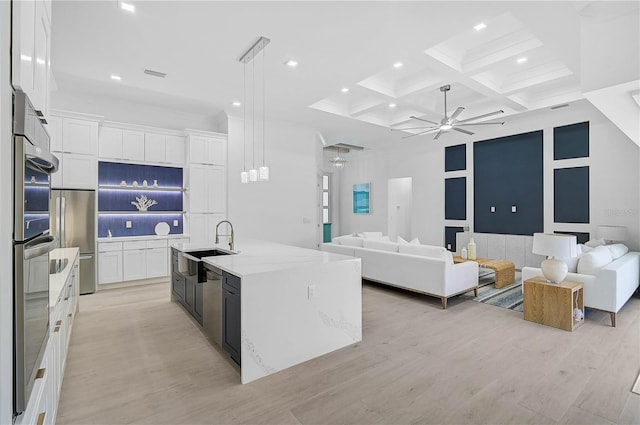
592	261
422	250
380	245
350	241
370	235
401	240
571	262
594	243
617	250
583	248
415	241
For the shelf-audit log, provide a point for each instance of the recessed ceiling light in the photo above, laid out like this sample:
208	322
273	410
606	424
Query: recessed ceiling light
236	104
480	26
128	7
522	60
392	105
26	58
292	63
398	65
345	90
116	77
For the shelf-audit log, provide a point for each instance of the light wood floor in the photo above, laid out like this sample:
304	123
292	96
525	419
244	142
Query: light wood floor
137	358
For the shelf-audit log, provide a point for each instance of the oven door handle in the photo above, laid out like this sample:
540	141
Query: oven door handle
40	246
40	159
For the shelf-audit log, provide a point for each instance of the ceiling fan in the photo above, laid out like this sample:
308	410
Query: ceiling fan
449	122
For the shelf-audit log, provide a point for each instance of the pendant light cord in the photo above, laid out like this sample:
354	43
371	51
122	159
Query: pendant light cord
264	142
253	114
244	116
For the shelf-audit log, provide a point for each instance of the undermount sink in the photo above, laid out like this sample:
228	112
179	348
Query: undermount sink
56	266
207	253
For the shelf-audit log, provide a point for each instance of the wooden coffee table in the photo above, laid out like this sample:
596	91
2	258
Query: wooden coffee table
505	270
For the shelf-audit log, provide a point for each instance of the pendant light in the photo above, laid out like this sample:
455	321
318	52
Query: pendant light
263	173
244	176
338	161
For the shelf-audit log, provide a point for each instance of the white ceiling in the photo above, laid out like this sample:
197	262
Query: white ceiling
348	44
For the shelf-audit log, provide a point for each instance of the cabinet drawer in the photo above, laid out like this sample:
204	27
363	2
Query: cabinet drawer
162	243
177	283
230	282
134	245
109	246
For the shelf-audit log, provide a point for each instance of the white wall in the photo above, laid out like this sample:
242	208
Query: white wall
6	221
113	109
284	209
613	161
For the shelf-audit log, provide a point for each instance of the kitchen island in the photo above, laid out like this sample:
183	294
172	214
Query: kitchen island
282	305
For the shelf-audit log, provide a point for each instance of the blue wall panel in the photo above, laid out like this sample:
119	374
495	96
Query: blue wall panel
581	237
455	158
571	141
455	198
508	171
142	224
571	195
112	173
450	237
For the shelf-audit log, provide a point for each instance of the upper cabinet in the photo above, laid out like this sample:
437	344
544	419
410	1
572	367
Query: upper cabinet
31	46
79	136
131	142
117	143
164	148
209	150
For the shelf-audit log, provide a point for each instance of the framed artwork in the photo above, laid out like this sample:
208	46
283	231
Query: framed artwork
361	198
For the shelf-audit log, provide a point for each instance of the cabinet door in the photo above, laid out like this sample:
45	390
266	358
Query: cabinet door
157	262
174	149
198	189
197	302
133	145
217	152
54	128
177	283
56	178
80	171
80	136
41	71
109	267
110	143
197	149
23	45
231	320
198	228
216	193
154	147
190	284
134	264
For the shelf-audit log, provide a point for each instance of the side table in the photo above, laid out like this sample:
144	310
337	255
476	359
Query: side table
552	304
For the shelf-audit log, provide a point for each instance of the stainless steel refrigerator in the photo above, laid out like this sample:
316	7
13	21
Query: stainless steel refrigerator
73	222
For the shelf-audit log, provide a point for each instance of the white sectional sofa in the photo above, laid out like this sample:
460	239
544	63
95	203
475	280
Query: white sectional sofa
606	288
420	268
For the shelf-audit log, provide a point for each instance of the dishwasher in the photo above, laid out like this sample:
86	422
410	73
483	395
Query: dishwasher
212	304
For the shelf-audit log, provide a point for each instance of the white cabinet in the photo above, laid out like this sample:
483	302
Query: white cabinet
164	148
109	266
116	143
202	227
207	150
157	262
77	172
79	136
207	189
54	127
75	143
31	46
134	264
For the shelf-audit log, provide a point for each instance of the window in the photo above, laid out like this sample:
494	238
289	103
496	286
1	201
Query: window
326	205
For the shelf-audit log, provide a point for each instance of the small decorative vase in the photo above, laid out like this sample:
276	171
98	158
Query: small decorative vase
155	183
144	183
123	183
135	183
463	253
471	250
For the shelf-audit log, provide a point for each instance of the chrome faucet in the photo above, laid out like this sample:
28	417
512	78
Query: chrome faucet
230	235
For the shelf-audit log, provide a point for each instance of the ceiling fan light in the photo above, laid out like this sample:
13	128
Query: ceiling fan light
446	127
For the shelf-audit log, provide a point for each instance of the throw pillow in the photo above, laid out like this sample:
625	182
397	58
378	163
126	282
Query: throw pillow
422	250
571	262
594	260
368	235
594	243
583	248
351	241
617	250
415	241
401	240
380	245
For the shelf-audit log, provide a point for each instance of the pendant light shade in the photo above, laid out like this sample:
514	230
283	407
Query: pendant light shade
244	177
253	175
263	173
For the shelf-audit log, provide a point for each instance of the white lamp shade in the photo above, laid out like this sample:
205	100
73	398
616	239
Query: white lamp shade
244	177
263	173
555	245
253	175
612	233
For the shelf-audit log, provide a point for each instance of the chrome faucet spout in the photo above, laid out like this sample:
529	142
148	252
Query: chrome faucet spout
231	235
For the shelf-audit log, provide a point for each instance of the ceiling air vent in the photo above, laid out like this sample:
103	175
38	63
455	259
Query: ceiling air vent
564	105
155	73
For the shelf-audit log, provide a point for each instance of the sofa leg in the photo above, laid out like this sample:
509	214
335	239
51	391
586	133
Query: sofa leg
475	291
613	319
444	303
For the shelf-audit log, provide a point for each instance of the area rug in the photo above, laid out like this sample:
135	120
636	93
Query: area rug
509	297
636	386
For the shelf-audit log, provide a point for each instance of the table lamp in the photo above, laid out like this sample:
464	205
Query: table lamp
612	233
554	245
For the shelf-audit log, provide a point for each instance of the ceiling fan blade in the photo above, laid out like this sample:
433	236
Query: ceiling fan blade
462	130
481	123
413	128
422	119
456	113
481	116
418	134
438	135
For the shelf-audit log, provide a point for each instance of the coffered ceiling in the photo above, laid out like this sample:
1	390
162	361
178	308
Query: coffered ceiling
570	48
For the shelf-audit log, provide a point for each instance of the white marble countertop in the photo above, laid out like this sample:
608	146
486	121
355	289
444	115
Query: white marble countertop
141	238
253	257
57	280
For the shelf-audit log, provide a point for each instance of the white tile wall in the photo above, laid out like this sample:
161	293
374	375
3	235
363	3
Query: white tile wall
514	248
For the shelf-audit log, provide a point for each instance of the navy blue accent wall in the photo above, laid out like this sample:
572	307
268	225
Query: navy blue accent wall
450	236
112	173
141	224
455	158
509	171
455	198
582	237
120	200
571	141
571	195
